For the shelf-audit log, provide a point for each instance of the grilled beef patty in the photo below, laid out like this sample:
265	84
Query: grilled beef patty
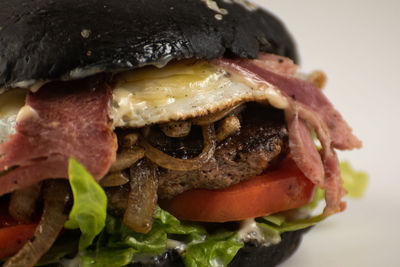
261	140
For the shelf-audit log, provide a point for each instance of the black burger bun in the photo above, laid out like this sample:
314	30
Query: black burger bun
42	40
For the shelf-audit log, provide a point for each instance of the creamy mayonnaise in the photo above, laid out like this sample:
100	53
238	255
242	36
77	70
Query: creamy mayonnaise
249	230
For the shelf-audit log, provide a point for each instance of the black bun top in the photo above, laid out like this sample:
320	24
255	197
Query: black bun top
52	39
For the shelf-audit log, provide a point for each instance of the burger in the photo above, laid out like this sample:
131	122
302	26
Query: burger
159	133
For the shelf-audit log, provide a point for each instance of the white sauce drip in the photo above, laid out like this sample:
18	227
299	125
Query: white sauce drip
249	230
180	247
32	85
37	85
24	84
214	7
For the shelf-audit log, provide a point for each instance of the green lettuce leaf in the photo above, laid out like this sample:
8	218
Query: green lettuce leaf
281	226
108	257
215	251
89	210
117	244
155	241
355	182
122	243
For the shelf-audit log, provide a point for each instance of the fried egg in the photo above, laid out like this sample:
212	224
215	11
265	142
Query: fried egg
182	91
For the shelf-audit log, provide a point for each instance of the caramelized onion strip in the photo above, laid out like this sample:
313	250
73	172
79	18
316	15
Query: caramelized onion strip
127	158
213	117
166	161
176	128
56	196
142	199
114	179
229	126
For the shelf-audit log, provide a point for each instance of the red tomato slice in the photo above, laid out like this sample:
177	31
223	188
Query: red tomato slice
281	189
13	238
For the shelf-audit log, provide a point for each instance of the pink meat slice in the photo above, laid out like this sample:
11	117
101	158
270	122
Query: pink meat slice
308	109
304	92
332	183
71	120
275	63
300	144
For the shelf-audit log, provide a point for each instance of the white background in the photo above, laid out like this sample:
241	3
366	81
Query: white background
357	43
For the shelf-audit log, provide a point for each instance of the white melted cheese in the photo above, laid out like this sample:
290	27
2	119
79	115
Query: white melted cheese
180	91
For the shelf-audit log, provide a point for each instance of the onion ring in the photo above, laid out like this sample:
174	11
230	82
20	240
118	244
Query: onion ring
166	161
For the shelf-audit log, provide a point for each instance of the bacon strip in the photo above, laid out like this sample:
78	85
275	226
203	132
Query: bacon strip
71	120
308	108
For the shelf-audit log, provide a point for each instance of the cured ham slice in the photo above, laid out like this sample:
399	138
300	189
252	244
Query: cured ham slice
275	63
300	144
61	120
308	109
304	92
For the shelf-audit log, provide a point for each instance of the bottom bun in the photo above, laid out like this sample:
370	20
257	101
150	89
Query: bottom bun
251	255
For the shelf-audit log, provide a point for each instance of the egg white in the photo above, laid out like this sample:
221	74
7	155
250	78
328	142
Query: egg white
181	91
